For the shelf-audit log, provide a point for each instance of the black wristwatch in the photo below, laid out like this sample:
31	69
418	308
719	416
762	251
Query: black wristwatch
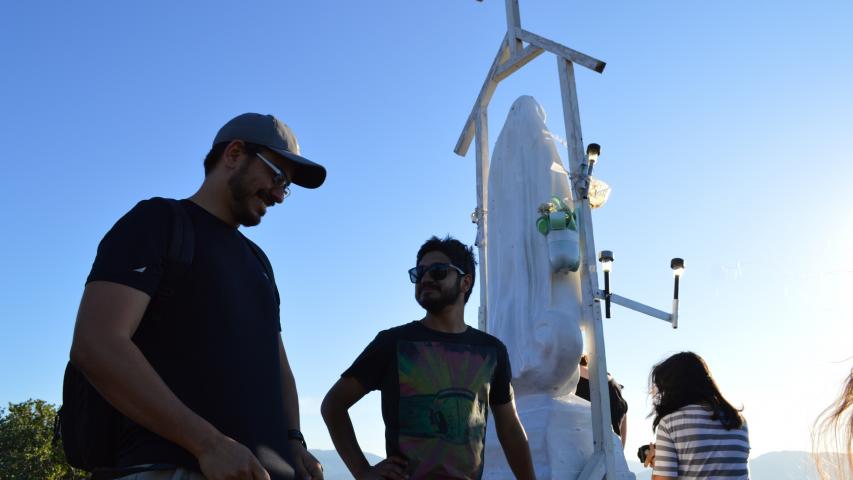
297	435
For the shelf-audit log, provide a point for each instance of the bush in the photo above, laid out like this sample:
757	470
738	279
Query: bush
27	450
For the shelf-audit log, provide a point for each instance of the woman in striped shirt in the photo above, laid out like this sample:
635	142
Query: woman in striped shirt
699	433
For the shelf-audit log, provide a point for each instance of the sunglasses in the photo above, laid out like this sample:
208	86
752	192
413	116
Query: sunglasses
280	179
437	271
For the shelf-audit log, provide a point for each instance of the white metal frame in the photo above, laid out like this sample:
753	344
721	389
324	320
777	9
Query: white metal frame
513	55
671	318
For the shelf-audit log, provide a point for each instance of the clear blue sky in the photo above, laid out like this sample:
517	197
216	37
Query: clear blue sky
726	128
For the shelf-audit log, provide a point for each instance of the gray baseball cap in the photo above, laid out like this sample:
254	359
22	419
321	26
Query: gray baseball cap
272	133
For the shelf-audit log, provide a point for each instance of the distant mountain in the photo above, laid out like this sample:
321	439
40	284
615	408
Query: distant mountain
333	466
790	465
784	466
639	470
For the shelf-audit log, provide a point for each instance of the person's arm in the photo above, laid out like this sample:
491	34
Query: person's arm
664	456
306	465
623	430
335	409
650	462
513	440
103	351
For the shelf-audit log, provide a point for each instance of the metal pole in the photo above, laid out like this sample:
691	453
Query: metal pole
481	139
591	310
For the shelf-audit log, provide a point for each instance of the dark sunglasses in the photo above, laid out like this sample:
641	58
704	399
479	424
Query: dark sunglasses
437	271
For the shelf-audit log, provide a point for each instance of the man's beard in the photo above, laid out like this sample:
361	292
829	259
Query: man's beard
243	197
444	299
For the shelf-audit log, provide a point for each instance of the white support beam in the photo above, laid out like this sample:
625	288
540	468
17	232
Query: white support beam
515	62
674	320
507	63
590	308
642	308
513	24
482	153
639	307
486	92
562	51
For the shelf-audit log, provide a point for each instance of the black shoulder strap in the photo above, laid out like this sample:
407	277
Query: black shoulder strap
265	262
183	237
180	253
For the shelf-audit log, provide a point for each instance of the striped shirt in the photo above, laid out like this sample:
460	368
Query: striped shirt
691	445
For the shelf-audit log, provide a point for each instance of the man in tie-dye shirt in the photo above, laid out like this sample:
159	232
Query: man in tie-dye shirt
438	378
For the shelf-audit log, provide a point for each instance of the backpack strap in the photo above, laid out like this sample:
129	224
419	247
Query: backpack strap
183	237
182	244
179	255
265	262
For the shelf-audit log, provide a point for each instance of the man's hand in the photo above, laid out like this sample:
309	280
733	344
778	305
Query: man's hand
306	465
513	440
392	467
103	350
650	458
226	459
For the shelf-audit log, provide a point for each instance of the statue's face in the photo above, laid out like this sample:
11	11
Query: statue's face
435	295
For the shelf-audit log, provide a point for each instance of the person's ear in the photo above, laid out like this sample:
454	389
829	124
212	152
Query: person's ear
467	283
233	154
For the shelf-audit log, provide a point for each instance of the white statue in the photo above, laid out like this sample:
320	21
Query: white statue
534	303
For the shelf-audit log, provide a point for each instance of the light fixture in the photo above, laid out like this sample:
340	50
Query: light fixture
677	266
593	150
606	259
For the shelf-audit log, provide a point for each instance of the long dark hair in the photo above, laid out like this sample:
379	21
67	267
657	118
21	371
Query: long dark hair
684	379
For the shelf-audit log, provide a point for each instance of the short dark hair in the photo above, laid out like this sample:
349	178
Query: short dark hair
459	254
218	149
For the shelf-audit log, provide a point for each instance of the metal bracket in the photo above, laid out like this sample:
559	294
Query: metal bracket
671	318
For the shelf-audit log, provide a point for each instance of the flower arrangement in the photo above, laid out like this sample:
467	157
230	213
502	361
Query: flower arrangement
556	215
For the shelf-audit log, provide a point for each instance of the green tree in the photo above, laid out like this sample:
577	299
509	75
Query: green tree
27	451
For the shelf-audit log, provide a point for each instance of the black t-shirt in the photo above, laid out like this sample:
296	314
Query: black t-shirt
217	346
618	405
435	387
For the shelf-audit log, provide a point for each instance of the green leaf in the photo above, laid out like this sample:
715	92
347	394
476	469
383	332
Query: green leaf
542	225
27	450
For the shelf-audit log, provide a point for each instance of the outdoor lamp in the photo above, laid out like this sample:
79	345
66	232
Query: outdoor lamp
606	259
677	265
596	191
593	150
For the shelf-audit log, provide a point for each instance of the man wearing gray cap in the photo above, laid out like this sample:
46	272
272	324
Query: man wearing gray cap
187	347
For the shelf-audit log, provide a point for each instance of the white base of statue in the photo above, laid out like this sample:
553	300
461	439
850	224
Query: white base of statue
559	431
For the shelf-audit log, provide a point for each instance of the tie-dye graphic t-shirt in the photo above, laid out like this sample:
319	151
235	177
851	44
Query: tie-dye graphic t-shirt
435	388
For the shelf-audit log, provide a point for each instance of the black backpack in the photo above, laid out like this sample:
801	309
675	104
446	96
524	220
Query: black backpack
86	424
